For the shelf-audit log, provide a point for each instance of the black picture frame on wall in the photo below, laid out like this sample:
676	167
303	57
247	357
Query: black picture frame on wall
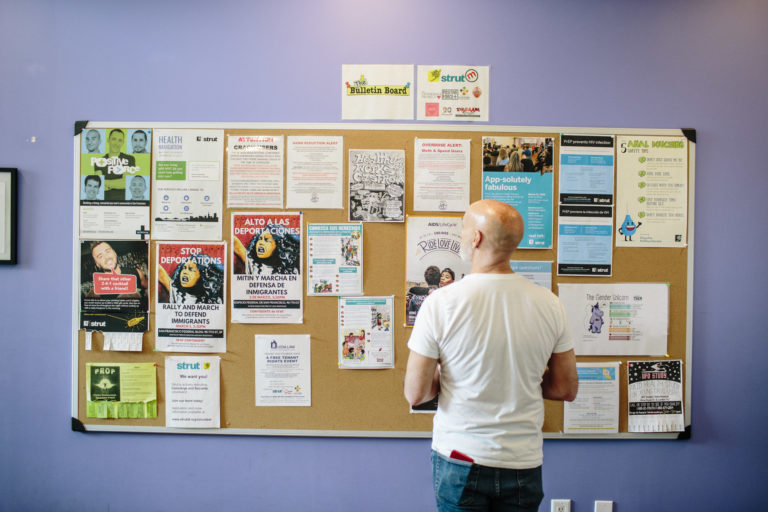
8	215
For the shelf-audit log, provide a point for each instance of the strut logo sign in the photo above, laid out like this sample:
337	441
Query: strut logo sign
436	75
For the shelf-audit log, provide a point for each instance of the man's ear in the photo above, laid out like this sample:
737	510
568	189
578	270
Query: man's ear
477	237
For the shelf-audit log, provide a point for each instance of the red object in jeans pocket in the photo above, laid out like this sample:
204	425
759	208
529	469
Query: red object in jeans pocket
460	456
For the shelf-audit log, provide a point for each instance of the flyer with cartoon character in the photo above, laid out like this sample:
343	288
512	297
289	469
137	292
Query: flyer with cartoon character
651	191
376	185
617	318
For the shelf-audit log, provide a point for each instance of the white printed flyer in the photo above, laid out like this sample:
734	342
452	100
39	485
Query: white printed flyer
192	391
255	171
335	259
266	281
190	312
283	370
315	172
652	191
617	319
187	184
376	91
441	175
366	334
655	396
453	93
596	408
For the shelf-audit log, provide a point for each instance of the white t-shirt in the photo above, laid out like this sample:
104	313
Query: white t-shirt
493	335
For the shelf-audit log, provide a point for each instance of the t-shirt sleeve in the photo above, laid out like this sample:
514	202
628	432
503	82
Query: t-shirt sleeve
564	340
423	338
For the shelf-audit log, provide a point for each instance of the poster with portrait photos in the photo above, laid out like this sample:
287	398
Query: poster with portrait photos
267	286
114	182
433	259
113	291
190	312
376	185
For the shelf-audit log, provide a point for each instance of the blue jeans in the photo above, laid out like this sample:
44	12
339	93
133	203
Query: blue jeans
464	486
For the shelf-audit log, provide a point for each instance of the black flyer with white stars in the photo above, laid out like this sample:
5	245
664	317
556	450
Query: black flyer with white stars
655	390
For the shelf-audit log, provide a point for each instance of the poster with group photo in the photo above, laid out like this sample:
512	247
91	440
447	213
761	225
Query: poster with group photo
190	313
376	185
187	184
335	259
266	281
115	165
114	297
255	171
366	334
433	259
518	171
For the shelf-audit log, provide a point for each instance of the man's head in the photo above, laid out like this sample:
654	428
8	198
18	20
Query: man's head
139	141
104	256
92	185
116	139
92	141
491	228
138	188
432	275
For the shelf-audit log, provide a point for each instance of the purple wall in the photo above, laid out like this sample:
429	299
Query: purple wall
649	64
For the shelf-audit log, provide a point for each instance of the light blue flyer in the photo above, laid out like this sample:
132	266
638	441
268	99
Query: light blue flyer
585	241
540	272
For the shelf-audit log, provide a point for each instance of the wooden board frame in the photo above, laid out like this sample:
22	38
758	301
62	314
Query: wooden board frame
369	403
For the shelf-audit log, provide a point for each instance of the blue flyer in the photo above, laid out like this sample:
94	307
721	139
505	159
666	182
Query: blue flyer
531	194
518	171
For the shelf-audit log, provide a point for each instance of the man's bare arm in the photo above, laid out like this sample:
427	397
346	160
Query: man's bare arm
422	379
560	381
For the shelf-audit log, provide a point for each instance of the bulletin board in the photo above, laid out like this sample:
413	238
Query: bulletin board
370	403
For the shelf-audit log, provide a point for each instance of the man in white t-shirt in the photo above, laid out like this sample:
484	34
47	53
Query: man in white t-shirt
495	345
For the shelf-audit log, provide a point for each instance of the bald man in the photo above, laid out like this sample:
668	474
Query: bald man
495	345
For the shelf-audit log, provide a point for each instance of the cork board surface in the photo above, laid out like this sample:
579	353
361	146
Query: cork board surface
353	402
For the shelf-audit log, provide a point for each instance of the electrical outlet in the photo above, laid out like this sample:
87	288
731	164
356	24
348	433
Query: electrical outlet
560	506
603	506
